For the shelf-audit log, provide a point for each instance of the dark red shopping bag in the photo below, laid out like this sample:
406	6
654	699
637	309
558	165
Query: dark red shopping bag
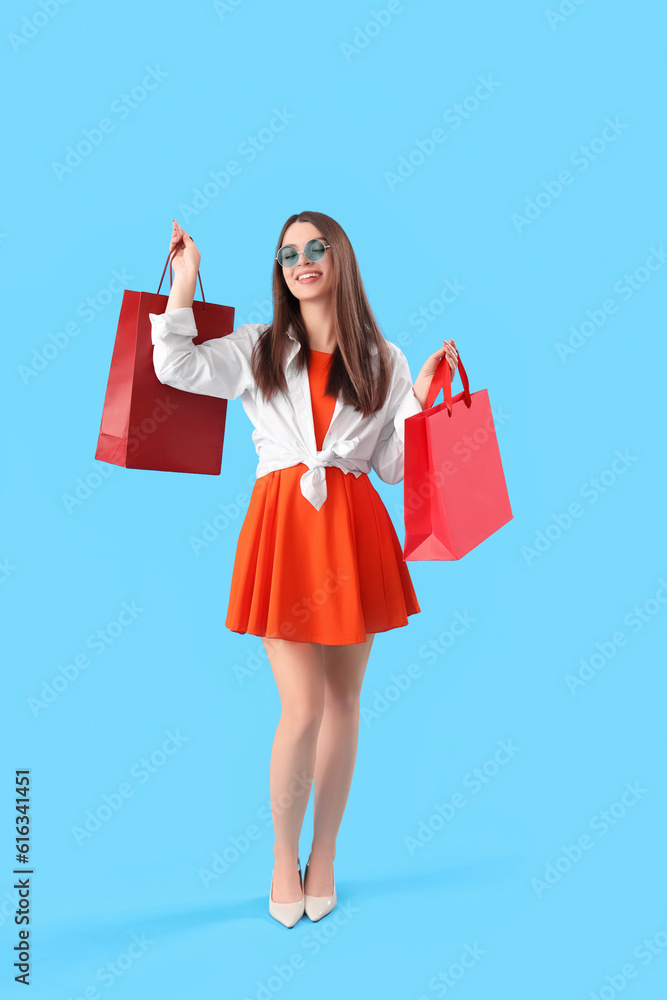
454	486
148	425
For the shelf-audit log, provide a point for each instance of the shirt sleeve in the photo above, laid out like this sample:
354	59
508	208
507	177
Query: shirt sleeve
217	367
388	454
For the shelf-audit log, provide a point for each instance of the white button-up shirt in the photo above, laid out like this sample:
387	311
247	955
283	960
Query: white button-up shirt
284	433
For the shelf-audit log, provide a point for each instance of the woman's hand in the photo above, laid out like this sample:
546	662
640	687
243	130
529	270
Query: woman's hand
185	261
423	380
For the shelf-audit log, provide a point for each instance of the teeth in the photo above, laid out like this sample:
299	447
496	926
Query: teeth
310	274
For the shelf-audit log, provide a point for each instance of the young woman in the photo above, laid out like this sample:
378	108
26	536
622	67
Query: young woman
319	569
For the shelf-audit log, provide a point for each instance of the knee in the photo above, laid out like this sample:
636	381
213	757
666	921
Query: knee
344	701
303	722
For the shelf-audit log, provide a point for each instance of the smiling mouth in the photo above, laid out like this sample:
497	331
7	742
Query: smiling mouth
308	276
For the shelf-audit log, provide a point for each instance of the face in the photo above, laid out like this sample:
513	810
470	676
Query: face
297	235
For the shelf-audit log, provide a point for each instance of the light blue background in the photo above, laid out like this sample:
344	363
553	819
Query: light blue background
67	572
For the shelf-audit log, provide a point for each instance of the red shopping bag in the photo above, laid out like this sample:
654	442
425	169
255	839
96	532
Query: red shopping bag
454	486
148	425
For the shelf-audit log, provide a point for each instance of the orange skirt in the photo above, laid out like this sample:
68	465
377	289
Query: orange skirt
333	575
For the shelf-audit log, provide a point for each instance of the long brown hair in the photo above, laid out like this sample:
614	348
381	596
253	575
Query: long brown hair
362	379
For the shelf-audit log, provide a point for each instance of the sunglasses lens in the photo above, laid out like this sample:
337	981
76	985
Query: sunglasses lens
314	249
287	256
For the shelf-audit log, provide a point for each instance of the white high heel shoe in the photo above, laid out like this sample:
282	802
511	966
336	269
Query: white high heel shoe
287	913
317	907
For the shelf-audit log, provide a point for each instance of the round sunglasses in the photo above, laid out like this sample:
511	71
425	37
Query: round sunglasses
314	250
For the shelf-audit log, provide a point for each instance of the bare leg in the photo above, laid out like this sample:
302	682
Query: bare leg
299	675
344	668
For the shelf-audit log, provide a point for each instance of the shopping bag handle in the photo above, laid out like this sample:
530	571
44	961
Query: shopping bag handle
442	379
169	259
